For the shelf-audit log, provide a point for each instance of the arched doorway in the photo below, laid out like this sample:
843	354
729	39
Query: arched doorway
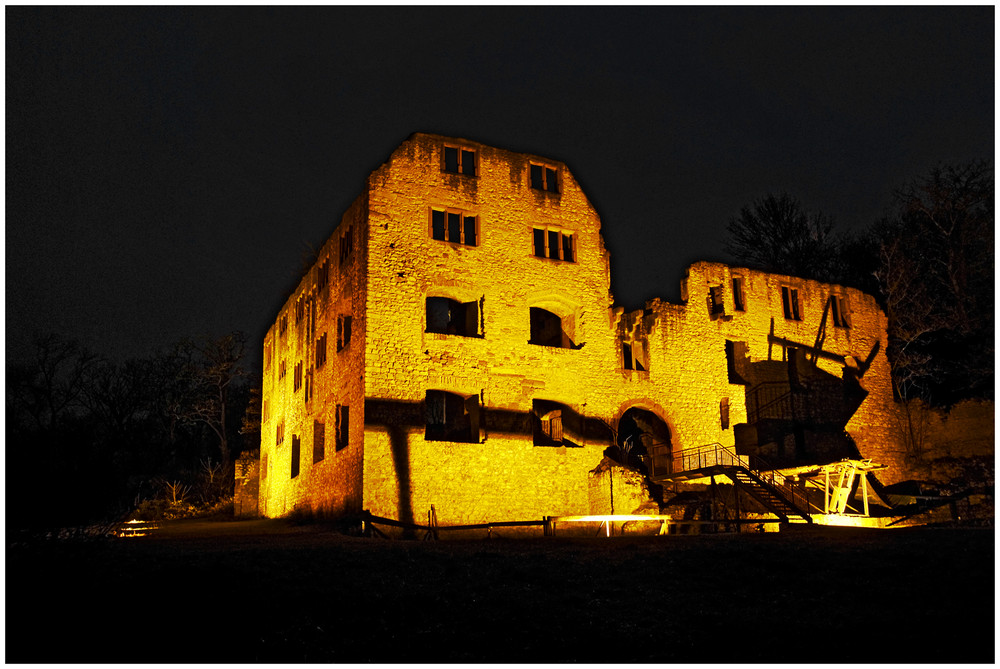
643	441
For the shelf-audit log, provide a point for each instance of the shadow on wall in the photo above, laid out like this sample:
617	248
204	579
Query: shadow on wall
549	424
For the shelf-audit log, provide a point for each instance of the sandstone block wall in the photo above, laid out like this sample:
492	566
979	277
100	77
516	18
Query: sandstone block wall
306	410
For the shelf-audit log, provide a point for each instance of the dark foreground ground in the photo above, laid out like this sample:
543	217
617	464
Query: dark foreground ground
265	591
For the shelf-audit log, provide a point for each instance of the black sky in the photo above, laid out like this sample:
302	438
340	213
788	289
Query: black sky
169	170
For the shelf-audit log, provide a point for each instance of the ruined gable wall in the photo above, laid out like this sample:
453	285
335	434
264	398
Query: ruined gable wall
871	426
687	374
504	476
332	484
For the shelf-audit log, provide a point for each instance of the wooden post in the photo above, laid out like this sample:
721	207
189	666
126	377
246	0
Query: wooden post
826	491
739	513
864	488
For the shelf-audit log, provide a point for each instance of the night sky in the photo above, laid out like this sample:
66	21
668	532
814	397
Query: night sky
170	170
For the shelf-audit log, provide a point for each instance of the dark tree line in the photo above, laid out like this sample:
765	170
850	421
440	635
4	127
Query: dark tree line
89	439
930	264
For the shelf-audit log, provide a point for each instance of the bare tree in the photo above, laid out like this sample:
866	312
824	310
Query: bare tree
50	386
212	370
777	234
935	274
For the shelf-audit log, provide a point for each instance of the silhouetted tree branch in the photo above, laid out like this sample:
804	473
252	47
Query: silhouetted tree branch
776	234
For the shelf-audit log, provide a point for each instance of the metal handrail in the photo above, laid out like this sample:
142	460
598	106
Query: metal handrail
717	455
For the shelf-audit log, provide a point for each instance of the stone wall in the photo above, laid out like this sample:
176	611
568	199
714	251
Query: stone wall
246	492
312	320
501	474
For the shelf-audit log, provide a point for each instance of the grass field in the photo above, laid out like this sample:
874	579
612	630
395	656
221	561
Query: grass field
272	591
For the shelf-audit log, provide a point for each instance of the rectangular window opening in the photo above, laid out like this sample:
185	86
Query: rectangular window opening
634	355
716	307
553	244
736	353
451	417
296	455
554	424
454	226
450	317
543	177
460	161
548	329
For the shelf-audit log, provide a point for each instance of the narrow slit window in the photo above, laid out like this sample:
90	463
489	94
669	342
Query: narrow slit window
838	309
296	455
567	248
554	244
343	332
539	241
343	426
715	305
790	303
470	231
437	225
454	227
551	182
469	163
537	179
321	351
319	441
346	244
739	302
450	159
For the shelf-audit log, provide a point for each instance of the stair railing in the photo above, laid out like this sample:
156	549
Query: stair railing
717	455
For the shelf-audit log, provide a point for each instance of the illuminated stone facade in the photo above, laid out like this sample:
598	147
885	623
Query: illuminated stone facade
456	345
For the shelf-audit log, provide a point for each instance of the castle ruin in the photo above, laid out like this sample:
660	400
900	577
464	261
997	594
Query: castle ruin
456	344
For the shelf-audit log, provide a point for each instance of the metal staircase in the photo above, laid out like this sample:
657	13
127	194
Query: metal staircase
768	495
751	475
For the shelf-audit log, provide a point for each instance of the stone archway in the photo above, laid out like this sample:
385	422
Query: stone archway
643	441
